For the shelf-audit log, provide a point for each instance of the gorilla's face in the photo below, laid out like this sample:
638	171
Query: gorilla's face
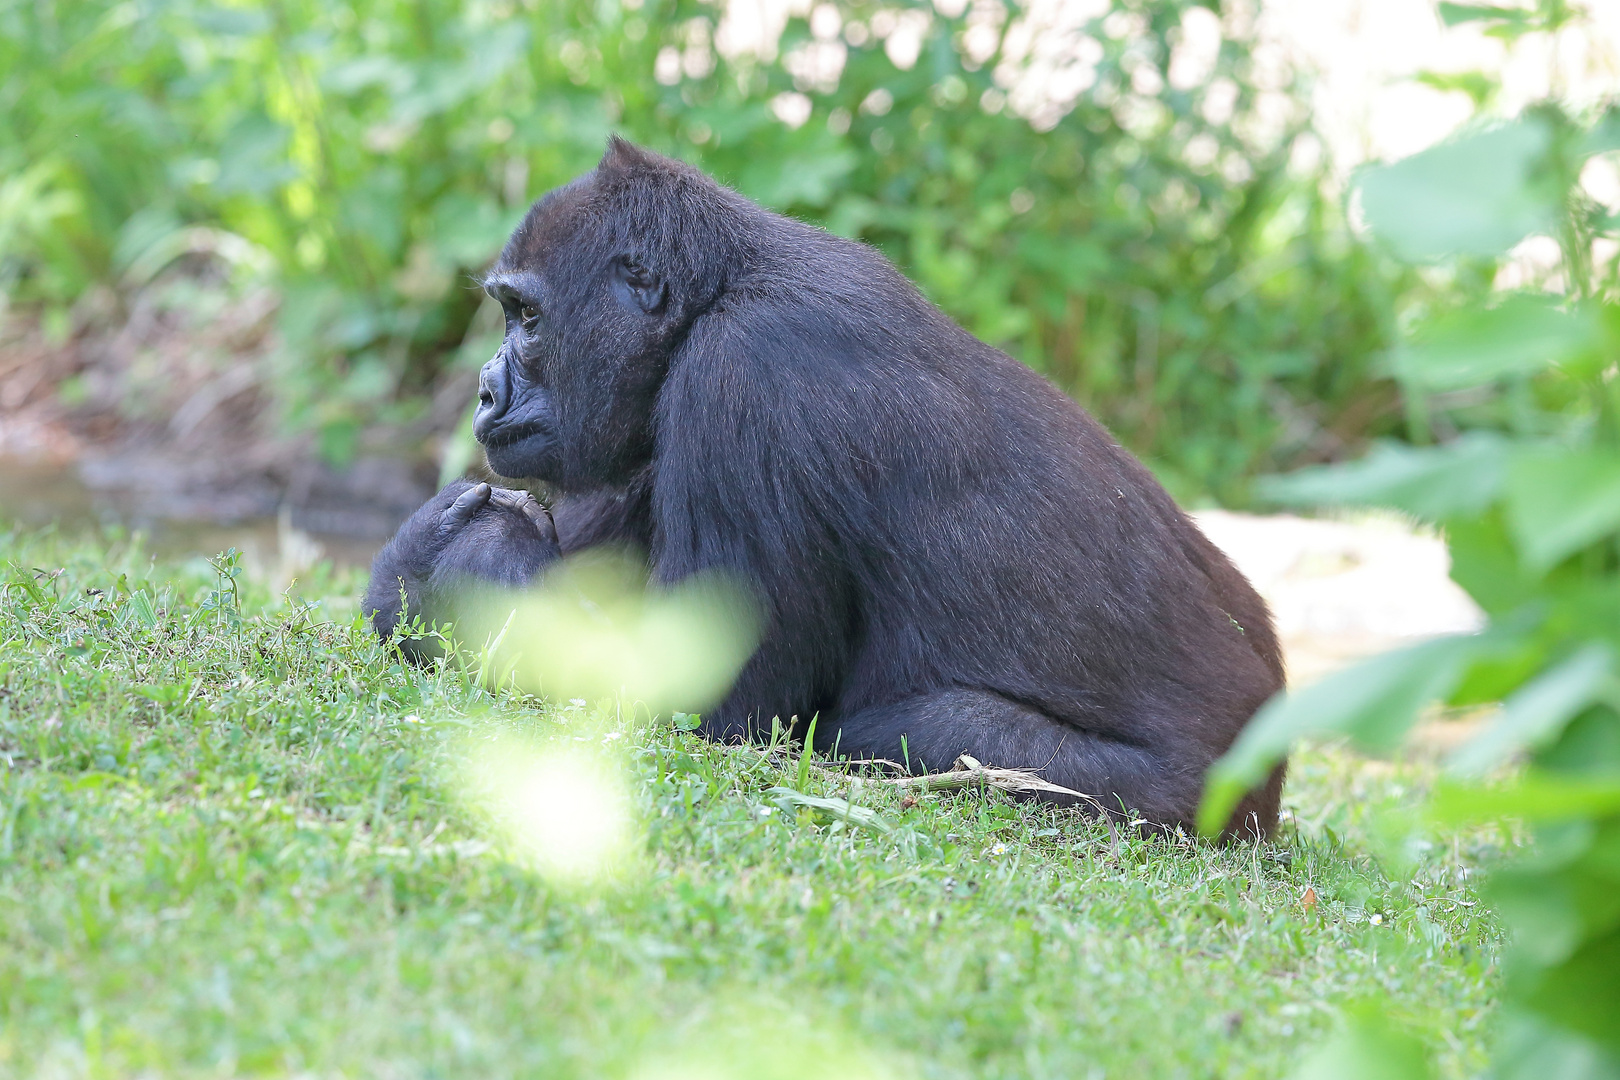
569	397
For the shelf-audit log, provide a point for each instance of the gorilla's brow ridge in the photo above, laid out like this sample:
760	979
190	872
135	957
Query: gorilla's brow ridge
500	285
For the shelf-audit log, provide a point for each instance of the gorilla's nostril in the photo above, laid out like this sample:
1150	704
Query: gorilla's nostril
489	387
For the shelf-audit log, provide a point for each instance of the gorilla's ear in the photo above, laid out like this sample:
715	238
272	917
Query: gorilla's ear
637	285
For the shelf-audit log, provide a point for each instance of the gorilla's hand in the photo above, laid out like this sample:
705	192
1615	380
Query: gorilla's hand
479	502
465	535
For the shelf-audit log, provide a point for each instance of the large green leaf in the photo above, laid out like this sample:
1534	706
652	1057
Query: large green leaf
1374	702
1530	1048
1522	335
1539	711
1473	196
1485	562
1605	134
1368	1047
1433	483
1583	992
1537	796
1559	501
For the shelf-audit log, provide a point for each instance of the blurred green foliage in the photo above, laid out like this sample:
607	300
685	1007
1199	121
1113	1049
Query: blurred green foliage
1518	381
1164	248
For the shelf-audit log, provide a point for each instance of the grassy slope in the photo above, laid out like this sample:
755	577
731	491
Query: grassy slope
227	846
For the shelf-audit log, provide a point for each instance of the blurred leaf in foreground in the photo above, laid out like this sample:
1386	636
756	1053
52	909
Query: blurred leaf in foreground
1559	501
1374	702
1368	1045
1528	496
1430	483
1522	335
1472	196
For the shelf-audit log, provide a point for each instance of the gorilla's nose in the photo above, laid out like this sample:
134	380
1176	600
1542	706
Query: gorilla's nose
491	397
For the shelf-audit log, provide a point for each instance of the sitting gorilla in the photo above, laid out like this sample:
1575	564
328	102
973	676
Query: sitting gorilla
948	550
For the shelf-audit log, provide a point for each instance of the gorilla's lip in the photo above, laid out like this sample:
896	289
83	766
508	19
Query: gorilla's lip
504	435
528	451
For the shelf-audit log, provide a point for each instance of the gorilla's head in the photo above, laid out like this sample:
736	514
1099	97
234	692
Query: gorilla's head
599	284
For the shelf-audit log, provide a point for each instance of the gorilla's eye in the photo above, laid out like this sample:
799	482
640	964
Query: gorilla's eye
530	314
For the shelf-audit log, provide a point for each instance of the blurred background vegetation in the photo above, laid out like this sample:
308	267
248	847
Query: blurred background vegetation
1135	204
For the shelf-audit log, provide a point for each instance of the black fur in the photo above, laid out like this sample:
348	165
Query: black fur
949	550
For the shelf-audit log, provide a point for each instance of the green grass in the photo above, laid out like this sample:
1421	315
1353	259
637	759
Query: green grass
235	840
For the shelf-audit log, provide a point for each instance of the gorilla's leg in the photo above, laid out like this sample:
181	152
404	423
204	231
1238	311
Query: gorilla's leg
937	728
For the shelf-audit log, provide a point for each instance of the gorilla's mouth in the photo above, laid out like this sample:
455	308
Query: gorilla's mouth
524	451
500	436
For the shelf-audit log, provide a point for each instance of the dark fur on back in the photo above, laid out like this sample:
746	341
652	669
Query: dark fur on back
949	549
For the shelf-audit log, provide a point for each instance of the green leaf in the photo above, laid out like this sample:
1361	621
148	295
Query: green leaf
1452	14
1496	673
460	448
468	230
1560	501
1473	83
253	159
138	610
840	809
1541	909
1375	702
1530	1047
1538	712
1605	134
1522	335
1537	796
1473	196
1368	1047
362	73
1486	564
809	179
1583	993
1433	483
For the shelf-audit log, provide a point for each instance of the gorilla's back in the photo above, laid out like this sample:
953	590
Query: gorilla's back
997	533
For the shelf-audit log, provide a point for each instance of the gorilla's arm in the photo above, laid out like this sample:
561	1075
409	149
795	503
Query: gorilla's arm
466	534
473	534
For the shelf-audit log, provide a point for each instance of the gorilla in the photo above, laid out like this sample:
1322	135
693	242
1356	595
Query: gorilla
951	555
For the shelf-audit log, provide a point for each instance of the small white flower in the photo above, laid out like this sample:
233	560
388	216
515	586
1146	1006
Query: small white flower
1377	919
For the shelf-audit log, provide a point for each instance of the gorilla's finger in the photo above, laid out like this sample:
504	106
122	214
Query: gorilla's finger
462	510
510	498
541	517
527	505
